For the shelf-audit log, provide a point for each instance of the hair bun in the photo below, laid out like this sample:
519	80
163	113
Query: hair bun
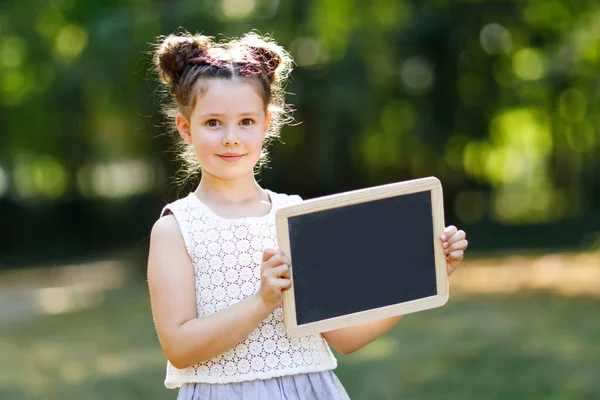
270	59
175	53
268	54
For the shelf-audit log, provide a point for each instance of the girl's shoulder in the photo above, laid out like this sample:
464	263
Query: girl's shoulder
185	203
284	199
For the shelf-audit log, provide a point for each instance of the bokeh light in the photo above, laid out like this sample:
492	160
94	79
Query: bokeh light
307	51
237	9
529	64
36	176
495	39
70	42
117	179
417	74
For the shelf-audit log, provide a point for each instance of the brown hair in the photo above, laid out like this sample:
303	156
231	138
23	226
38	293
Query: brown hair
183	61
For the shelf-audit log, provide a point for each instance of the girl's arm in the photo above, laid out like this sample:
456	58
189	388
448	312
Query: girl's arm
348	340
185	338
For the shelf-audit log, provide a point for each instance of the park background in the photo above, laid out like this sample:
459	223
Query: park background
498	99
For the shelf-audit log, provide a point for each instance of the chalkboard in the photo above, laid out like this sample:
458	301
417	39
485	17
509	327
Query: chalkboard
363	255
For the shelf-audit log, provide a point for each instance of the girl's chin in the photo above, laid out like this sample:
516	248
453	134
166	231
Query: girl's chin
229	173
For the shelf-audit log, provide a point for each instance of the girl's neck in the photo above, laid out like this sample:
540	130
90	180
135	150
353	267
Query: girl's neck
229	192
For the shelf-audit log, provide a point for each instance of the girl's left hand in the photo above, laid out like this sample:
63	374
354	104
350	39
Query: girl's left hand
454	243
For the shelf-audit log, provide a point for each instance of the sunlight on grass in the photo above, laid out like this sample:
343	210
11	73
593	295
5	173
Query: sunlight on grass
51	355
565	274
61	289
58	300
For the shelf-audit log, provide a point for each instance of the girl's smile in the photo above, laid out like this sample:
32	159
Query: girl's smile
230	157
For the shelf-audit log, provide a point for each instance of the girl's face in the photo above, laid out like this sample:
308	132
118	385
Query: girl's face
227	128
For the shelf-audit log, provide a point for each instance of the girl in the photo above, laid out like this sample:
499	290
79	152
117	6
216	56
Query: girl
215	280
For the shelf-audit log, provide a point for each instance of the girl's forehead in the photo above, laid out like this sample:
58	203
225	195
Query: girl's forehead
229	96
215	85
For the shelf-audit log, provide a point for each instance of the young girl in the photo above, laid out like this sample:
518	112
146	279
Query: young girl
215	278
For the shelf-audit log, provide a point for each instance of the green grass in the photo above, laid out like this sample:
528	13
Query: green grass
529	346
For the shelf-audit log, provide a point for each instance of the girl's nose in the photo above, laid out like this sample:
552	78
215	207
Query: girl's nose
230	138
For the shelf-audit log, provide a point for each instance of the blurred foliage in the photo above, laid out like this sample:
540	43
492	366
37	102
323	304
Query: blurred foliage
500	100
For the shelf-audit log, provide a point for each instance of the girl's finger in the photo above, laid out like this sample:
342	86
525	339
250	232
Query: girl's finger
269	274
456	255
284	284
279	271
448	232
268	253
459	235
276	260
460	245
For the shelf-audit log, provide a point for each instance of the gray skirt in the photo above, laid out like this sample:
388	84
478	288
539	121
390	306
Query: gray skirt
313	386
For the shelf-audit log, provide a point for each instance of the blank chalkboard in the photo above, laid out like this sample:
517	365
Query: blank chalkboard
363	255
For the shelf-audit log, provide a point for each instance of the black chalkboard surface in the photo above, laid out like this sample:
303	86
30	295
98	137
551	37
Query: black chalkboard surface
363	255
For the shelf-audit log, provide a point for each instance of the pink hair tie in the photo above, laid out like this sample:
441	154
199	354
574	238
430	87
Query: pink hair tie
205	59
200	60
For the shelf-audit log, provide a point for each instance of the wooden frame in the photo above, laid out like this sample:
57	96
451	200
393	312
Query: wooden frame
431	184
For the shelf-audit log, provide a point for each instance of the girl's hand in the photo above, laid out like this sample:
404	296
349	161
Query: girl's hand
454	243
274	277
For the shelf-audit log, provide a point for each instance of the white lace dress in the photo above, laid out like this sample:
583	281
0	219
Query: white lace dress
268	364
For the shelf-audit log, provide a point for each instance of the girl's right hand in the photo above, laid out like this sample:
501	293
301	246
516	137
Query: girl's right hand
275	277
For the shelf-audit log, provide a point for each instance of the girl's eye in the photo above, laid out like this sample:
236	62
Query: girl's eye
212	123
247	122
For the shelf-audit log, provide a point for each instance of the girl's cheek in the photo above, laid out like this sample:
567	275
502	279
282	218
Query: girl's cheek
210	141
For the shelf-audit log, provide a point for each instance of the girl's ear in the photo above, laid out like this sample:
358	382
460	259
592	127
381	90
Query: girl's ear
183	126
268	117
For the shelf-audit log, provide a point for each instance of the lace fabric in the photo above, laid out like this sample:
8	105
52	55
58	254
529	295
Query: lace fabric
226	254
